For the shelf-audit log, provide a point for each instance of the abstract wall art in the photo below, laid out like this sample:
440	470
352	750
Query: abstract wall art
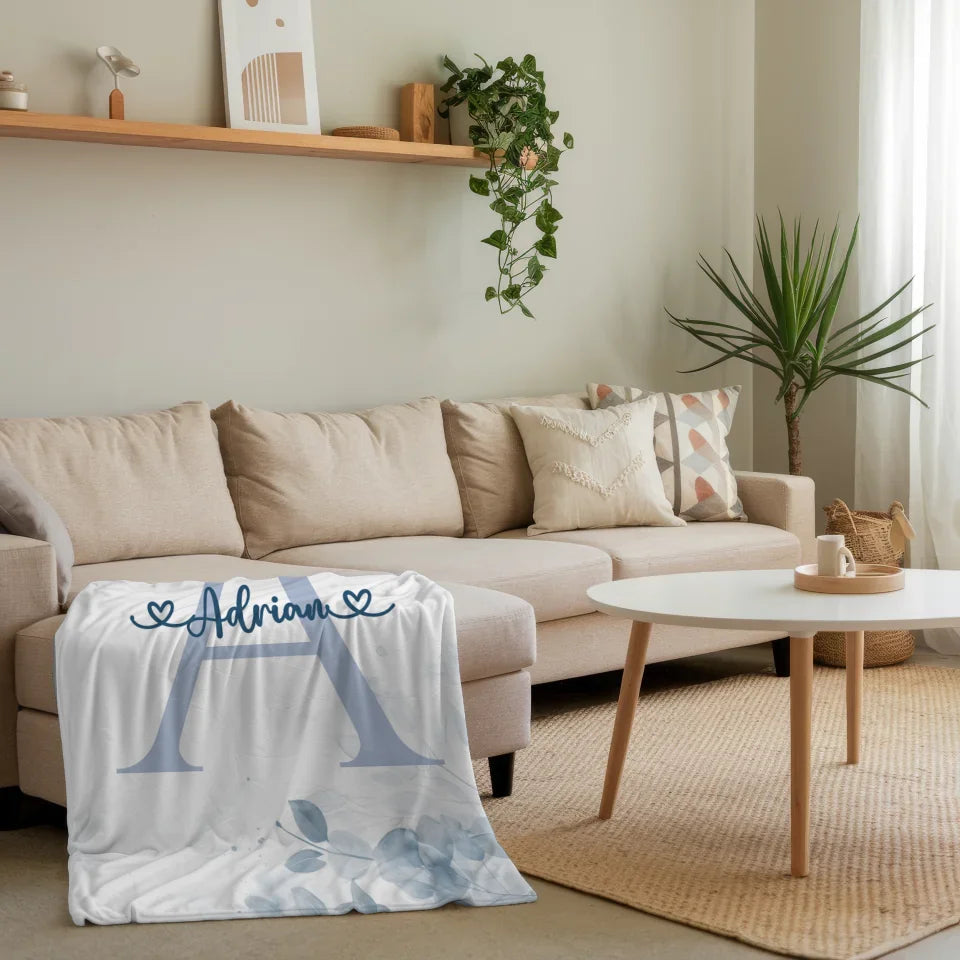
269	70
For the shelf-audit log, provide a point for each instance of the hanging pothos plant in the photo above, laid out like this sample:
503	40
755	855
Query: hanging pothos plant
511	126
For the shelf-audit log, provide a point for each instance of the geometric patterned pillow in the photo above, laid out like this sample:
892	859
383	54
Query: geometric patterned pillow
689	439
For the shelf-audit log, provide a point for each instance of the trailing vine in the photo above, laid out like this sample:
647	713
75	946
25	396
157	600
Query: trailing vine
512	127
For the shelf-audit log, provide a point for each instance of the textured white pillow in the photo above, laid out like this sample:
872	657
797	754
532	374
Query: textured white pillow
593	468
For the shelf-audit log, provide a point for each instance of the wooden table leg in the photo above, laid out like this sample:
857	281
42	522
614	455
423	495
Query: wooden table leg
626	708
801	699
854	645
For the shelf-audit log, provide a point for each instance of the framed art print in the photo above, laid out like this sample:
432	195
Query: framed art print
269	68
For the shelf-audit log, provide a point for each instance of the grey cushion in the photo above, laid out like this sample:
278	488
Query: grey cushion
25	513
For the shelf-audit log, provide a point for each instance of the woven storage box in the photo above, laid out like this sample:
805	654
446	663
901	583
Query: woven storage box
868	535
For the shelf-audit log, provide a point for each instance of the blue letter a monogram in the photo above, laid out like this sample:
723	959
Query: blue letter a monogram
380	745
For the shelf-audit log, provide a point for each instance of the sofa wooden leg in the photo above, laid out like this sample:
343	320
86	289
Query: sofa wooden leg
501	774
781	656
10	798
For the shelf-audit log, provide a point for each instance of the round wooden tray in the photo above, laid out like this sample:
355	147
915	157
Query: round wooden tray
367	133
870	578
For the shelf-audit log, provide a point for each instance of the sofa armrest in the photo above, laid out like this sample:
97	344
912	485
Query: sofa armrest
780	500
28	593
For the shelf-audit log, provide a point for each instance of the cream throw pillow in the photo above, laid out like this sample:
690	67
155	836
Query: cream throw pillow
593	468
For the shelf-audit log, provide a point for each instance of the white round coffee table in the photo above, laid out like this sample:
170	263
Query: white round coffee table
768	600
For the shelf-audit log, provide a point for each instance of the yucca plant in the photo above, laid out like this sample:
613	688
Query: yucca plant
792	335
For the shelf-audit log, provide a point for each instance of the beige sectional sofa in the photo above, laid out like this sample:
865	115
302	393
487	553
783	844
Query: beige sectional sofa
176	495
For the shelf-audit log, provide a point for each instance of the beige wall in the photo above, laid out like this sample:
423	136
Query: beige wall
807	79
135	278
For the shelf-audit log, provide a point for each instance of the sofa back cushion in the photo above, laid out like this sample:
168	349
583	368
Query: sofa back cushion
304	478
496	486
143	485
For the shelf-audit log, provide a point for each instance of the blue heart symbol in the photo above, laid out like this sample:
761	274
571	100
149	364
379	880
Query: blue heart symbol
160	612
358	602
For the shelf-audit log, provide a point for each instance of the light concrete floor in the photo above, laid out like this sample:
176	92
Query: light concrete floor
562	925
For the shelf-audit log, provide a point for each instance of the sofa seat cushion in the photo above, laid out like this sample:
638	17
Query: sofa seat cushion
552	577
496	632
724	545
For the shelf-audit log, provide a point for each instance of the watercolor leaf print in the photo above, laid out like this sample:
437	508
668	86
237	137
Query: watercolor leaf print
426	863
310	820
306	861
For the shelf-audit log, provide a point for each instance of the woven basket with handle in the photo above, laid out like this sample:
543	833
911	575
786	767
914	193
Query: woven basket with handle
872	537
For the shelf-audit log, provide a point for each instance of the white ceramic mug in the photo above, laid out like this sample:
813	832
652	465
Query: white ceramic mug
834	558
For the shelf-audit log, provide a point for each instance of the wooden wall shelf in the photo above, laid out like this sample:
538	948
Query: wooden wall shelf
133	133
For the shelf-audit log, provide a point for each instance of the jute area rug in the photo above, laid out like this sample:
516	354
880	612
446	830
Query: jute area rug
701	830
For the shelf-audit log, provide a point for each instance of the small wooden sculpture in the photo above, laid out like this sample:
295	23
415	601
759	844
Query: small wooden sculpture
119	66
417	110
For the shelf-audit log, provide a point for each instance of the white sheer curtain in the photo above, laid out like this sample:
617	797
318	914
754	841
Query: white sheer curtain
910	226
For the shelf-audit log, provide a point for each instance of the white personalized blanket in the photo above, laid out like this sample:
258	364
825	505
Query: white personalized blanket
269	748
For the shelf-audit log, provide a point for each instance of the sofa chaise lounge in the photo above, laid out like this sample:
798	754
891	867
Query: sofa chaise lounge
186	494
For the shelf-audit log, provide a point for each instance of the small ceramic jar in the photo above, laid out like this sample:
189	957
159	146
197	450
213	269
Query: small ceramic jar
13	95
